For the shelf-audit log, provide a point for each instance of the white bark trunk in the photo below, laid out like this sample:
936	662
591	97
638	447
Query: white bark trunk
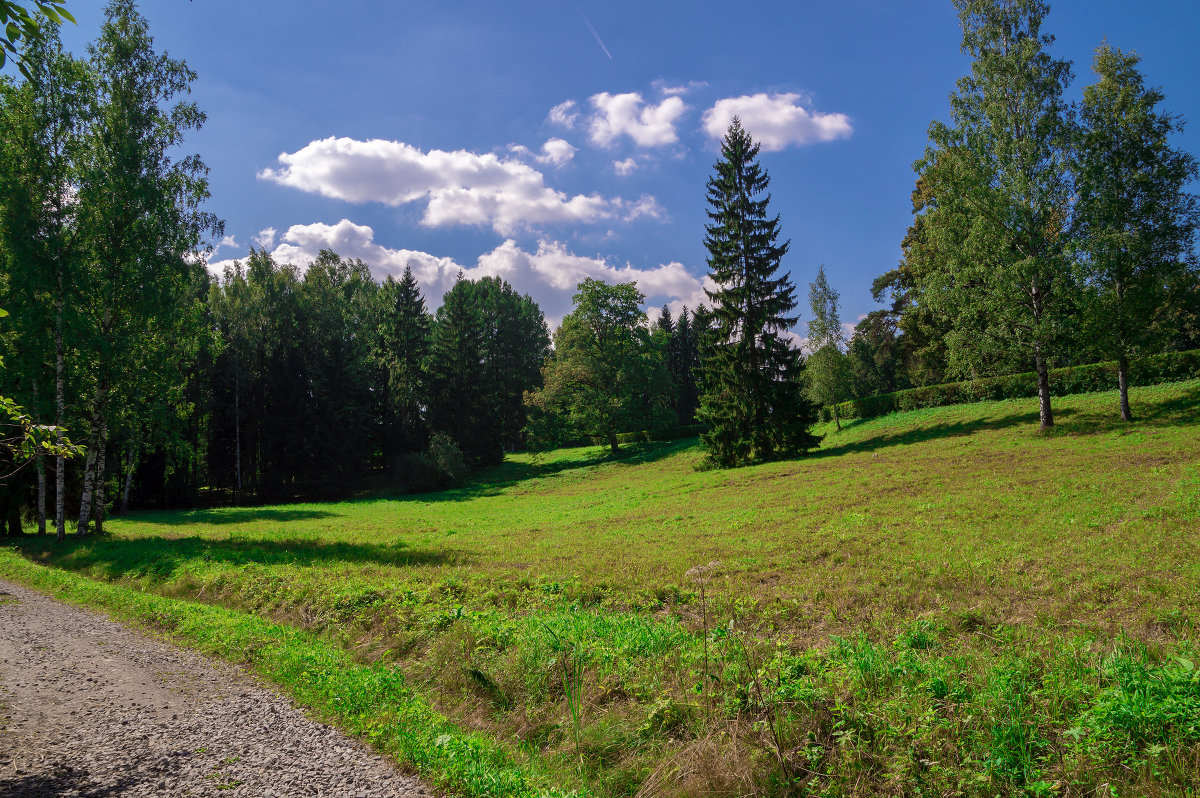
60	479
130	467
99	430
100	476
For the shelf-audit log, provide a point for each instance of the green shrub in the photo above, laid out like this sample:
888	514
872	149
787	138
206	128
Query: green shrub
448	459
1166	367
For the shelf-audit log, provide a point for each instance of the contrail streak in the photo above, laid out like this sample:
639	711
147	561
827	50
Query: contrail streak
593	30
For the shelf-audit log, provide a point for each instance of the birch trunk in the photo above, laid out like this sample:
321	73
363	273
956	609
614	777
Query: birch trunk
100	476
60	479
41	497
130	466
85	506
1043	376
99	428
1123	384
237	426
40	508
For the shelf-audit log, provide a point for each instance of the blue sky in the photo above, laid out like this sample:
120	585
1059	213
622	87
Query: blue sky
425	133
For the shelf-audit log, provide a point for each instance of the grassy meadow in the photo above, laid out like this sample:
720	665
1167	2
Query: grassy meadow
938	602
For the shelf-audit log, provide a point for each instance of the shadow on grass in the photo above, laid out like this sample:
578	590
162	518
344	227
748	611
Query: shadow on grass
160	558
218	516
1182	410
931	432
492	481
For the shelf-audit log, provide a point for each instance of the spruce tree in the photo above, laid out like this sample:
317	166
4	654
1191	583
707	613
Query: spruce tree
457	406
751	398
402	349
684	368
828	366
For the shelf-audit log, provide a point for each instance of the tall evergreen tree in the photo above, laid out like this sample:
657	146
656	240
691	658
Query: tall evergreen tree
400	356
516	345
999	174
751	399
1135	221
828	368
457	407
684	368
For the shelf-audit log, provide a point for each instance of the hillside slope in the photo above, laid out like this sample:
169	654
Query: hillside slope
937	601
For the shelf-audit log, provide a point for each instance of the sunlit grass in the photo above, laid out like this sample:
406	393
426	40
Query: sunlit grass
951	557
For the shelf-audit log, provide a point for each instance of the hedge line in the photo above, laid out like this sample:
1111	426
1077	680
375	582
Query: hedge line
1167	367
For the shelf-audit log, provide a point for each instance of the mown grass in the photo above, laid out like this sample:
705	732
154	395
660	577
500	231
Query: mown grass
945	601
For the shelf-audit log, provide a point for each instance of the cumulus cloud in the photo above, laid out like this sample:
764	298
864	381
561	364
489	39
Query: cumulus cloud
776	121
549	274
556	152
458	187
629	115
265	238
564	115
625	167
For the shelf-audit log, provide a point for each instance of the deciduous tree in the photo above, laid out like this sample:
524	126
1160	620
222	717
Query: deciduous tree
998	171
1135	220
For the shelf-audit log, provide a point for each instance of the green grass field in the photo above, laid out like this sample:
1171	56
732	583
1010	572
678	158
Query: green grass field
941	602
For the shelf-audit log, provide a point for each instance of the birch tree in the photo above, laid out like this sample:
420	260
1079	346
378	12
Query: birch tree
999	173
42	122
1135	220
140	214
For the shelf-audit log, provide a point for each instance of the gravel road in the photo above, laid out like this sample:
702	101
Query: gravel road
91	708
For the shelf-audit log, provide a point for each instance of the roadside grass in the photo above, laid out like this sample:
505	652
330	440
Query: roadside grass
944	601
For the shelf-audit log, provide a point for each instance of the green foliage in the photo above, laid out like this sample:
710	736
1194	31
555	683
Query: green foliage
21	21
399	359
1000	194
1144	709
448	459
751	399
827	368
488	347
1135	221
607	374
1166	367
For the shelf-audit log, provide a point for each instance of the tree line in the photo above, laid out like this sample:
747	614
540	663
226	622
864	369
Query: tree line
1043	234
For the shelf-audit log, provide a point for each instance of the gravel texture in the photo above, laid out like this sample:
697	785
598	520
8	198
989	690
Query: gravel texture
91	708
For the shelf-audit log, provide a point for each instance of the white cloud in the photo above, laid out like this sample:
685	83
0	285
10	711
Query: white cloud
646	205
556	152
549	274
679	91
302	242
265	237
776	121
625	167
564	114
459	187
629	115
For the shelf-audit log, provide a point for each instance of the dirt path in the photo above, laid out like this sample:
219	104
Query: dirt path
91	708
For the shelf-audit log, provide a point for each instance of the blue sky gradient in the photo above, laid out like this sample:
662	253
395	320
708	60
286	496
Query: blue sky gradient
478	80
